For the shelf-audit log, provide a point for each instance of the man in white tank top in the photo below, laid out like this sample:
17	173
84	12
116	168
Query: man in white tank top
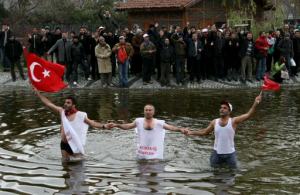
74	127
150	134
224	129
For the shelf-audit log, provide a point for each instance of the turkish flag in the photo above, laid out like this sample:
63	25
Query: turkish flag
270	85
43	75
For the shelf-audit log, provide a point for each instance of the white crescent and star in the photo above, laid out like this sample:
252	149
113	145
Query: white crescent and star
32	66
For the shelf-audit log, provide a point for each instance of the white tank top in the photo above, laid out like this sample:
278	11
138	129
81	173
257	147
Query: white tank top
150	143
224	138
80	126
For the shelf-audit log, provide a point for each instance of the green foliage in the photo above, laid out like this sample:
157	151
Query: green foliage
3	12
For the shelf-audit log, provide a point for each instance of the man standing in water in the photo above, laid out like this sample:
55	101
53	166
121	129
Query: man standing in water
74	126
150	134
224	129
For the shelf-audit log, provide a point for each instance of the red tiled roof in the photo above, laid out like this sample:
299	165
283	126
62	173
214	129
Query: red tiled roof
142	4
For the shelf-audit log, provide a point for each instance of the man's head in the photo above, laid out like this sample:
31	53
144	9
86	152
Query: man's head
225	108
122	39
70	103
75	39
102	41
149	111
167	41
249	36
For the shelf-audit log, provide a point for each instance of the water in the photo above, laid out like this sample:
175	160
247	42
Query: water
268	145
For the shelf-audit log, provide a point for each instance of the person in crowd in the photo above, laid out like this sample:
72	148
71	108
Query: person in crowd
4	36
124	52
296	46
271	41
35	41
63	47
219	43
103	52
167	57
279	71
136	61
194	54
261	49
147	50
13	51
247	56
180	55
77	56
286	49
86	40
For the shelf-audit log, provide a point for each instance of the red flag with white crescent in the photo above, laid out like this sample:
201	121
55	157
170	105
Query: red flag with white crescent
44	75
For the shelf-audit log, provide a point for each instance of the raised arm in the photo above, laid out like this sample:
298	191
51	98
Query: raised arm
125	126
98	125
203	132
243	117
47	102
173	128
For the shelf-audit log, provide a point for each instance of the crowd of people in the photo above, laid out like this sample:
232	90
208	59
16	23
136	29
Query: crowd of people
188	54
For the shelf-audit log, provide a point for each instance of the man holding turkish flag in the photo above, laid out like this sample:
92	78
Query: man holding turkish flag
43	75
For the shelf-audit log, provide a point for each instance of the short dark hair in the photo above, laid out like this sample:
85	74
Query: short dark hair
74	102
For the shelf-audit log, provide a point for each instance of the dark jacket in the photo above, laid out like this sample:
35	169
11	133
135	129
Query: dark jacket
13	50
2	36
244	47
219	45
167	54
77	53
86	41
296	46
36	45
192	52
285	47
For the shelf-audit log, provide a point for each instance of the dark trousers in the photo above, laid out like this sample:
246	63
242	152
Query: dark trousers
195	68
165	73
12	64
147	69
219	67
179	63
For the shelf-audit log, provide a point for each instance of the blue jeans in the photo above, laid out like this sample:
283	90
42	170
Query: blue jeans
123	73
261	68
217	160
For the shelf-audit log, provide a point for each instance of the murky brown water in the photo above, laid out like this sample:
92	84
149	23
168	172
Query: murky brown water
268	145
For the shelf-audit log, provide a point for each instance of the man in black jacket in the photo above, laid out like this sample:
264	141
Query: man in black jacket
296	45
195	48
13	51
167	57
5	33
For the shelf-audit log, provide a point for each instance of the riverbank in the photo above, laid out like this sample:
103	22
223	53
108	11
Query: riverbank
136	83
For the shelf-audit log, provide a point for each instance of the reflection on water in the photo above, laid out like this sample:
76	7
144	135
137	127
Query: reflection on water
267	146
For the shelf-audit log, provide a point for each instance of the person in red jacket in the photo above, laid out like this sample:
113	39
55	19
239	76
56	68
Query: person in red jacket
261	47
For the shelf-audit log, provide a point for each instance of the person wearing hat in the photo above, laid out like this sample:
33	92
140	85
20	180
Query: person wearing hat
124	52
224	129
147	50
